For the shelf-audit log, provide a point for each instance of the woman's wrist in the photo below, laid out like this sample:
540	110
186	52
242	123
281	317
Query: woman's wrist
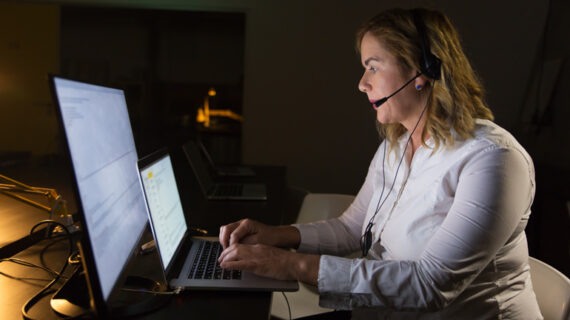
305	267
287	237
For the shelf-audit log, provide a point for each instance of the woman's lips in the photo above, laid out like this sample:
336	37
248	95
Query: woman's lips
373	104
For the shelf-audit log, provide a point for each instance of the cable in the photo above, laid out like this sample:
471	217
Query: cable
46	290
54	241
366	238
201	231
68	234
288	306
173	292
27	280
74	258
31	265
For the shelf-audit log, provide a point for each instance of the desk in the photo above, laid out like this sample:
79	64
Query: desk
17	218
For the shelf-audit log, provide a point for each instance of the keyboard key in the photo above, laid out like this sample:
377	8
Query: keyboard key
207	266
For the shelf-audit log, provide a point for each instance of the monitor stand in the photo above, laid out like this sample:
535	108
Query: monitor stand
73	300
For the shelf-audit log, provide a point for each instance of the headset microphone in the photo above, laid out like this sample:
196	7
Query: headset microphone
381	101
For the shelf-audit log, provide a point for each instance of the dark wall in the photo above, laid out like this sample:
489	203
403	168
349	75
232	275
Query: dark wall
542	128
165	60
300	100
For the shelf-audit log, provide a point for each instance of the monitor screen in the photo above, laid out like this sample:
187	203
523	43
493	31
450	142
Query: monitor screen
102	149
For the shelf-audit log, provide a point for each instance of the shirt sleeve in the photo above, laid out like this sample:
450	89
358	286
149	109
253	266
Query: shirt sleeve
493	197
340	236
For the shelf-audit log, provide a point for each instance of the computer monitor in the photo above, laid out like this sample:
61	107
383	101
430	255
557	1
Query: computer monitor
110	200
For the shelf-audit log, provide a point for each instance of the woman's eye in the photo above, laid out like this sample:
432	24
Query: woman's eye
372	69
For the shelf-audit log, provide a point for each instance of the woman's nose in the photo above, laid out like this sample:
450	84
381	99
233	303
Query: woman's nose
363	85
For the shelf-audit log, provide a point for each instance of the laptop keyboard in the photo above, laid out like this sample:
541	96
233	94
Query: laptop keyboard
207	266
228	190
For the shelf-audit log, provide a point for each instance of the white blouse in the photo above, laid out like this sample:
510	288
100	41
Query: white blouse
453	244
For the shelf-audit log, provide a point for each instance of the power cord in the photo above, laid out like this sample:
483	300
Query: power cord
54	241
46	290
173	292
74	258
288	306
31	265
48	234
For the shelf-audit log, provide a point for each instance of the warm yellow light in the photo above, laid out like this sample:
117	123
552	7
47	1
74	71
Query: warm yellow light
200	117
205	113
226	113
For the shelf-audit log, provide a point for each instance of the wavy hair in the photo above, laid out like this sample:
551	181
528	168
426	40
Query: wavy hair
457	98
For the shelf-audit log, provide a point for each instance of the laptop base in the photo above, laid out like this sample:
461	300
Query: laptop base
248	281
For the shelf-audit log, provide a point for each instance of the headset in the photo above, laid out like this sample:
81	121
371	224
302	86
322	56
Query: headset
430	66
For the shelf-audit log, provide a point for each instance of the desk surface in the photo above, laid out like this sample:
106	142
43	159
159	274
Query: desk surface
17	218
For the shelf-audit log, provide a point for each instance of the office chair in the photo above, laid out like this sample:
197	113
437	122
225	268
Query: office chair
552	290
305	302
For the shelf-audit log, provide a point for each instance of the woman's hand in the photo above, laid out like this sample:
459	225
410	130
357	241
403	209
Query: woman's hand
271	262
249	231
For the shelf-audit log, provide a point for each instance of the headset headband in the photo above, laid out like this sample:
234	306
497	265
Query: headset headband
430	65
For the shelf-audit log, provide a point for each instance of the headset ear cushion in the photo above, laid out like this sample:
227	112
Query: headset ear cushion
430	65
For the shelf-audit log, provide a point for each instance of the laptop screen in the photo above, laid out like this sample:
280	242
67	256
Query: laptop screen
165	208
103	155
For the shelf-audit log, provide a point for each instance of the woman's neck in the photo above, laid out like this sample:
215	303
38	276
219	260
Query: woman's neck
416	140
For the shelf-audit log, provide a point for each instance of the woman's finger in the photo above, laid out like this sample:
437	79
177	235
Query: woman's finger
224	255
226	231
245	228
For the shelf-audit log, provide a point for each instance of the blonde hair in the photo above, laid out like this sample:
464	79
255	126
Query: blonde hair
457	98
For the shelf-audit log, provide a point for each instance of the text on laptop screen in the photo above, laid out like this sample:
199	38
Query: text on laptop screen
104	159
165	208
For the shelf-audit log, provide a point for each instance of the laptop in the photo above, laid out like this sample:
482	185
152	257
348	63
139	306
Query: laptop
187	262
218	190
224	171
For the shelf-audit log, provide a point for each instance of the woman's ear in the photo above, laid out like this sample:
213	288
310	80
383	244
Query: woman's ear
420	82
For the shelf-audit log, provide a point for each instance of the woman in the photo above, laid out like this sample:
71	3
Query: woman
440	218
